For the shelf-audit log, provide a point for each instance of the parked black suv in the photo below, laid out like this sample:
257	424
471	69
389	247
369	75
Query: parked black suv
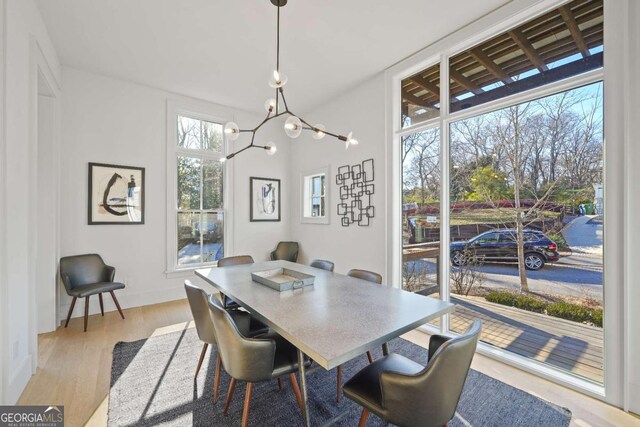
500	245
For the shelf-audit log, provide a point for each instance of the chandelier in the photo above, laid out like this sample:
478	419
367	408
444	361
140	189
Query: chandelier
293	125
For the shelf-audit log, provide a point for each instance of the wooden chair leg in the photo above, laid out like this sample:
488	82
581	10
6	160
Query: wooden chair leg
86	312
339	382
363	417
117	304
247	403
296	389
202	354
370	356
73	304
279	381
101	304
216	378
232	387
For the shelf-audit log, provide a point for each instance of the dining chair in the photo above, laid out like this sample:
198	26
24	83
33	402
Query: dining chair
369	276
405	393
287	251
230	304
86	275
252	360
322	264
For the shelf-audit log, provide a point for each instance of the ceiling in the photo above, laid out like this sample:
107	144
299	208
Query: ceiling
224	51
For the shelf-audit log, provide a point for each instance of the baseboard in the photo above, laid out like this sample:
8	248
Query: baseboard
129	300
18	381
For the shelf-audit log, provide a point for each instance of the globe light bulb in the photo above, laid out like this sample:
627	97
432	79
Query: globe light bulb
293	127
271	148
277	80
270	104
318	133
223	159
349	140
232	131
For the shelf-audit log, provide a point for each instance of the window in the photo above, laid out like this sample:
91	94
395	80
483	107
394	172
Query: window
503	180
314	196
198	213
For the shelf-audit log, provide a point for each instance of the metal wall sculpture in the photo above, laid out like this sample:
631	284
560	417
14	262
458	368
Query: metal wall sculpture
356	188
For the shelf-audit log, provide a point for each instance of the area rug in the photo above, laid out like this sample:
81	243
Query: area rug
152	383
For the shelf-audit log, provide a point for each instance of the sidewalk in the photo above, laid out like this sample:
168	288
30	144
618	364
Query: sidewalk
584	236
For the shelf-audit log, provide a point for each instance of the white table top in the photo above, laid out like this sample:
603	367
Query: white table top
332	321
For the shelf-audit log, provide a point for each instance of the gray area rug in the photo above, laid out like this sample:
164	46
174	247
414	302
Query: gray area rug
152	383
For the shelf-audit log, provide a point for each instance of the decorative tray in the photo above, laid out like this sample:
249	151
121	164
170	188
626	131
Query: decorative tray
282	279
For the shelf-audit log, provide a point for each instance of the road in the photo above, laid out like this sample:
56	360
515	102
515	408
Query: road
577	275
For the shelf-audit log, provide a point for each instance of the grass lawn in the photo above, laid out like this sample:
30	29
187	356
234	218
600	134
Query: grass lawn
491	216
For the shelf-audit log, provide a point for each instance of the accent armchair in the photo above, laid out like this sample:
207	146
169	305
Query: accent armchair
405	393
86	275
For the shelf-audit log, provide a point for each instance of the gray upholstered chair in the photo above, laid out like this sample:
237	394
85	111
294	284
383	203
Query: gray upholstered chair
322	264
230	304
405	393
198	302
86	275
252	359
287	251
369	276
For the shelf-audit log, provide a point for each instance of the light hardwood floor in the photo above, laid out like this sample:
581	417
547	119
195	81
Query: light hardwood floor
74	368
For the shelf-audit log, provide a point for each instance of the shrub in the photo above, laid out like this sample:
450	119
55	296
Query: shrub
596	316
569	311
530	303
501	297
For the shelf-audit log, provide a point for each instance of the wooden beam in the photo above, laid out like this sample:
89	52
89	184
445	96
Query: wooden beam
525	45
490	65
574	29
465	82
426	85
592	62
414	99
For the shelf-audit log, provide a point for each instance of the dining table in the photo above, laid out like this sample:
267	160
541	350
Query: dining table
332	321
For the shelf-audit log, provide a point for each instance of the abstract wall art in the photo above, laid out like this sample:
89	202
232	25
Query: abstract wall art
116	194
265	199
356	188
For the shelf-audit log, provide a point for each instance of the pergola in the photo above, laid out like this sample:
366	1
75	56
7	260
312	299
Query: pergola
494	68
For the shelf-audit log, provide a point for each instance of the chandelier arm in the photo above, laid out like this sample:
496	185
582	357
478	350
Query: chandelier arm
277	101
278	42
284	101
315	129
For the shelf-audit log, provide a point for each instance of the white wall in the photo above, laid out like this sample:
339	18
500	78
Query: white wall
111	121
26	36
360	110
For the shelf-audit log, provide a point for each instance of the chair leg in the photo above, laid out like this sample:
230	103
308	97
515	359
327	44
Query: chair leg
202	354
279	381
101	304
247	403
339	382
363	417
232	387
73	304
296	389
216	378
117	304
370	356
86	312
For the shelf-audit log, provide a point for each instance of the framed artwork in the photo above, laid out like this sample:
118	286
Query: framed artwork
265	199
116	194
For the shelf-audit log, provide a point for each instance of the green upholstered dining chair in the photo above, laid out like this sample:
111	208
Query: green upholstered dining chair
322	264
199	305
86	275
252	359
287	251
405	393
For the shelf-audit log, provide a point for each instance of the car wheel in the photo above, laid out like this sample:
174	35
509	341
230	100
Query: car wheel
533	261
457	258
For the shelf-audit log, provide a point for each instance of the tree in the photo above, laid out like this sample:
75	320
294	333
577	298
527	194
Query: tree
487	183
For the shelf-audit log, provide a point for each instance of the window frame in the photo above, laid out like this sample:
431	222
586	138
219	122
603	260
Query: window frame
499	21
205	112
306	196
